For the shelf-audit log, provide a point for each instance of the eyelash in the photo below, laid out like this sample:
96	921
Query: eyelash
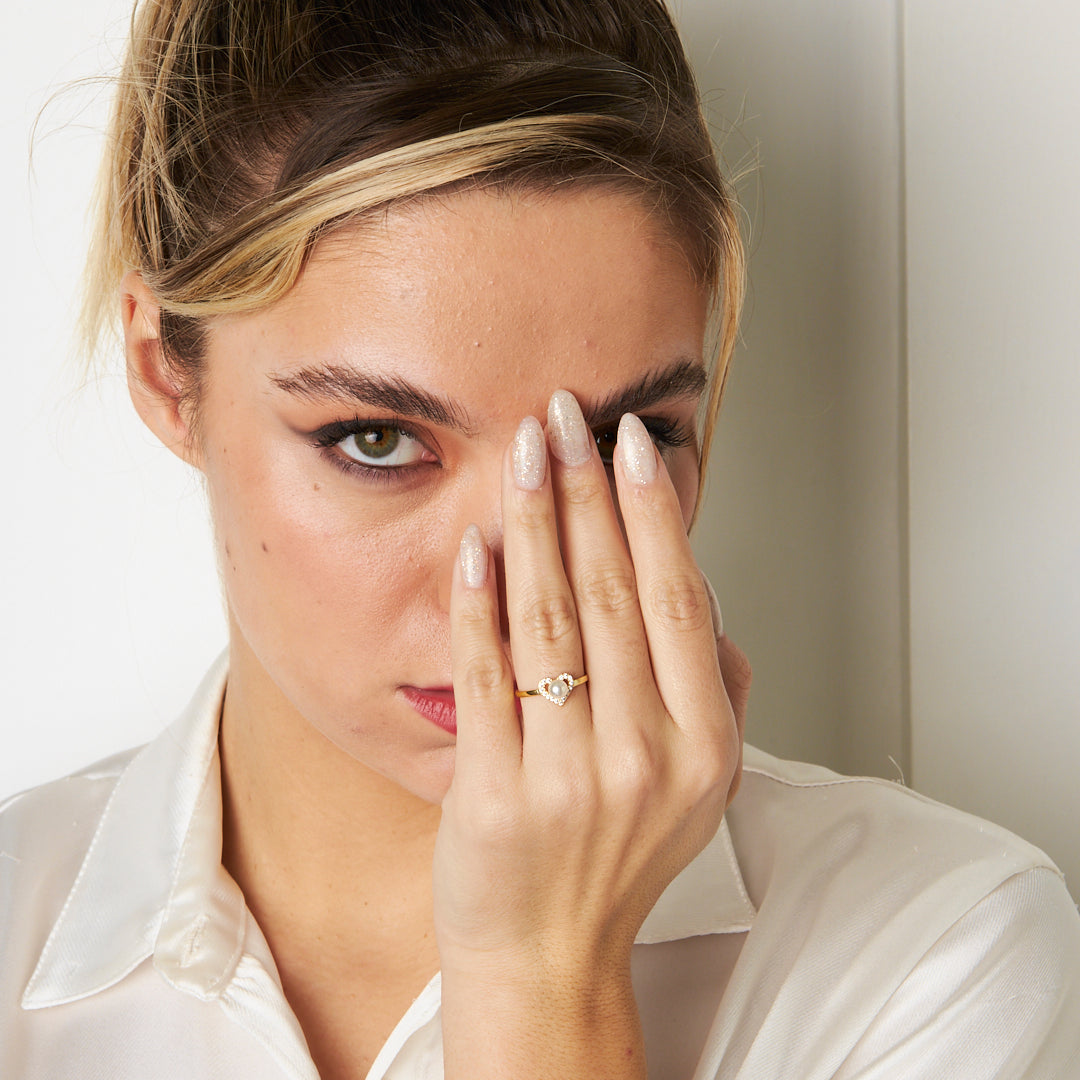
667	434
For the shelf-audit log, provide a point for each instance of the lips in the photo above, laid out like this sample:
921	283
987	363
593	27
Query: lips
434	703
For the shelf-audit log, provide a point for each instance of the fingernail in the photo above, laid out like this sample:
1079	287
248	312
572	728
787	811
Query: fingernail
571	440
636	449
530	461
474	560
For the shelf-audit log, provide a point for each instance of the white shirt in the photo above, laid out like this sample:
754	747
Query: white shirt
835	927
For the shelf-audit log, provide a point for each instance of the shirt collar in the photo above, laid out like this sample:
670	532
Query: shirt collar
152	883
707	897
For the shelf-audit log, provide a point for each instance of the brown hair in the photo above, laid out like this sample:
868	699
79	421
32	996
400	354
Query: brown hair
244	130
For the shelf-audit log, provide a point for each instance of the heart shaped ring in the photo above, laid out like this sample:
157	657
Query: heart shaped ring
556	689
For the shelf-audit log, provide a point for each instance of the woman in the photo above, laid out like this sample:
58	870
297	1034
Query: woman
458	801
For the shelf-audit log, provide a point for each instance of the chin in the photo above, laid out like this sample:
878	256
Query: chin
422	770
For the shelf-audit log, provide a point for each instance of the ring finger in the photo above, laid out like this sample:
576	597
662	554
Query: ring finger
544	636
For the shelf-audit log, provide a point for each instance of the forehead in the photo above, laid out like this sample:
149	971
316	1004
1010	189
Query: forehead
497	295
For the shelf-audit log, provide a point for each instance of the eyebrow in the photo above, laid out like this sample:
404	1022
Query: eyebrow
336	382
684	379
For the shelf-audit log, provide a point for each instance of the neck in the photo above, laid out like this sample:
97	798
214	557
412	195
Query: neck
331	856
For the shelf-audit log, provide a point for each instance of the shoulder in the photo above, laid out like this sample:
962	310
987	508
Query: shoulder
905	926
60	810
868	850
864	825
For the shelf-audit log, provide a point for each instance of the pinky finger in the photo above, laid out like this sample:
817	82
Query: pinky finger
488	732
674	602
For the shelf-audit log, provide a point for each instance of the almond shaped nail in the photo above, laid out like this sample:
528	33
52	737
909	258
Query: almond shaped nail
571	440
474	558
529	455
636	450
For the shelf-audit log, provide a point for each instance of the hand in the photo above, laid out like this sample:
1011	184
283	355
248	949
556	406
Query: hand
560	830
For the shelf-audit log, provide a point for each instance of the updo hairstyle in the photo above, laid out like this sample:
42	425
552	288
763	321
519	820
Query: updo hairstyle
245	130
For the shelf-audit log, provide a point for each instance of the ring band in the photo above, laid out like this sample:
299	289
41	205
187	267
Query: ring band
557	690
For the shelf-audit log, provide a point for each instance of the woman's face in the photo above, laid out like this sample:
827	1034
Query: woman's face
350	432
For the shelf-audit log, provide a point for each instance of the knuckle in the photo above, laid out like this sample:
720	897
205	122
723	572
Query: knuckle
708	773
735	666
484	676
707	769
707	800
535	517
474	619
580	488
638	771
566	797
495	820
652	512
680	601
608	591
549	619
733	788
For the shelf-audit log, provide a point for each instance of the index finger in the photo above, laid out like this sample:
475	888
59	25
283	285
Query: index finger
488	734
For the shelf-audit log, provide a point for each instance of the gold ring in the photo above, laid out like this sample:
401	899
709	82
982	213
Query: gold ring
556	690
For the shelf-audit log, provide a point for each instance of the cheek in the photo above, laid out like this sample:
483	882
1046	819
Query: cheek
310	567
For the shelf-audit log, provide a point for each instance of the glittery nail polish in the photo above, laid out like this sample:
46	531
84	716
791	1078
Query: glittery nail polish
636	450
474	560
571	440
530	458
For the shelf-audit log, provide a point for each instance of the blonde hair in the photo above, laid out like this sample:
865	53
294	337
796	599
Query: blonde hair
244	131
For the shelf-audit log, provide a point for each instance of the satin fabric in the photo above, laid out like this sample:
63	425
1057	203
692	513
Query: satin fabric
835	927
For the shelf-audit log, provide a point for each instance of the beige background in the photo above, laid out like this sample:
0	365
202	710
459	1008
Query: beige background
894	527
893	523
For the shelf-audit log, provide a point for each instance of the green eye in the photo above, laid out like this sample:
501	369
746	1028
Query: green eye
378	442
381	446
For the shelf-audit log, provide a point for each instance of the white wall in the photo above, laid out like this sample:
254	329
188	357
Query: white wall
103	530
806	532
